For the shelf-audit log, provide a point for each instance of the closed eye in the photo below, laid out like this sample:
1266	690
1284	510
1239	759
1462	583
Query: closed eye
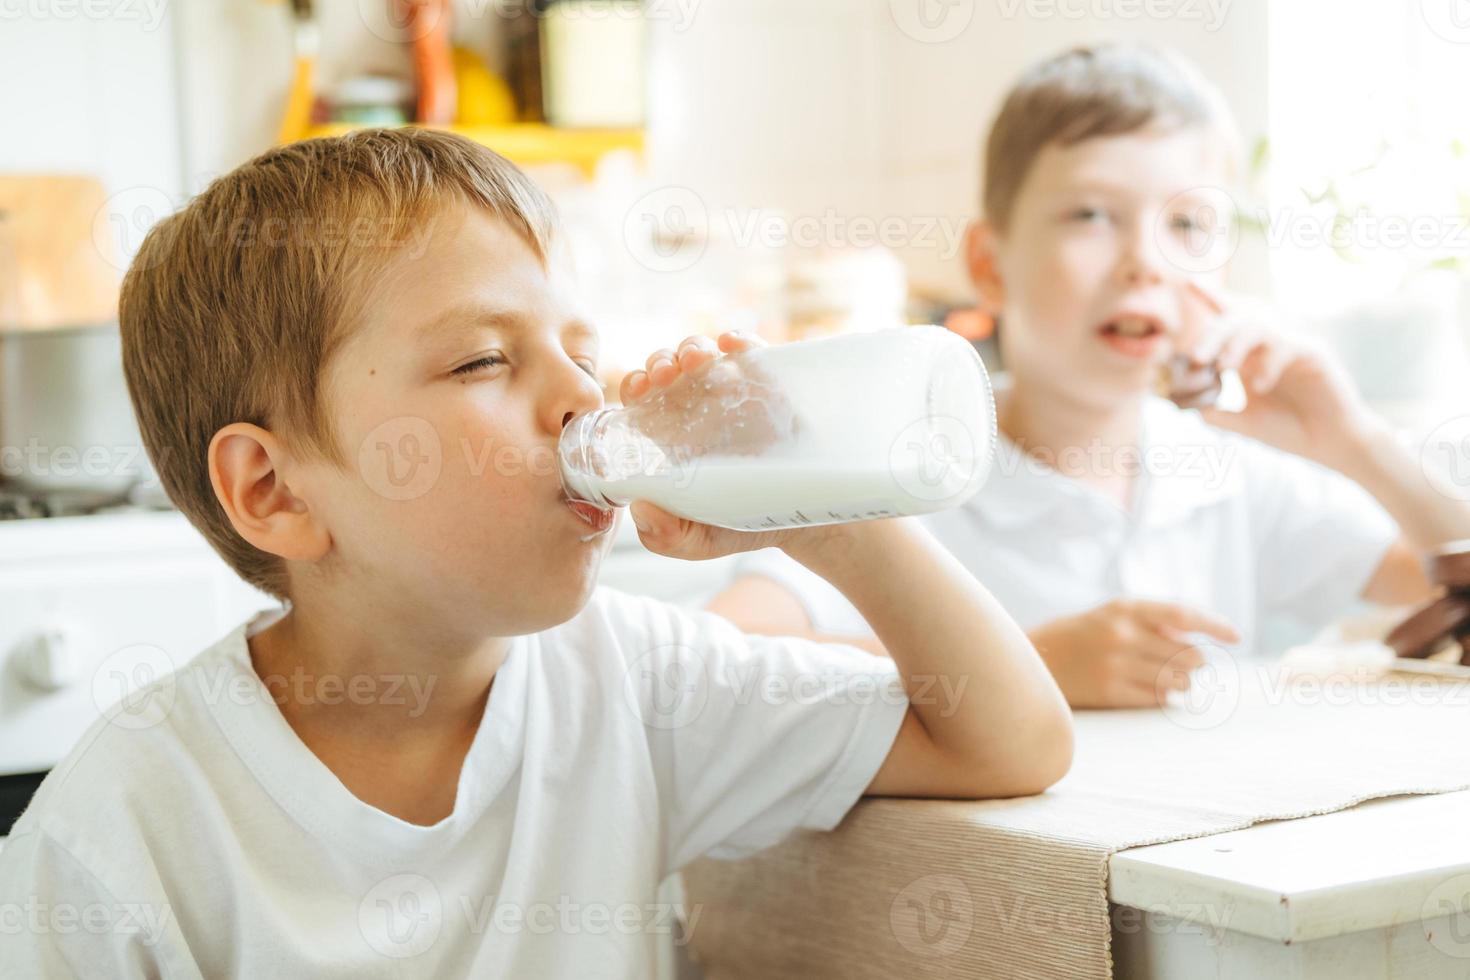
489	360
1088	215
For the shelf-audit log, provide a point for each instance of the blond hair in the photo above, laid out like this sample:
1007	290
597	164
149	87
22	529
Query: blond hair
234	306
1088	92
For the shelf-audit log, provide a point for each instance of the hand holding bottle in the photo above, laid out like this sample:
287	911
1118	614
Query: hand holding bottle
665	533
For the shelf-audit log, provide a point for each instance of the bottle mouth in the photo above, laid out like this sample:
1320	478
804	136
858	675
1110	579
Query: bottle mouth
578	463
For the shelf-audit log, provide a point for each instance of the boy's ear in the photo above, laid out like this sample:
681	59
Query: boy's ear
245	469
983	266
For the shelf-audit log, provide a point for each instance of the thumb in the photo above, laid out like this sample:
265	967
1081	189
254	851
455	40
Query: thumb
651	520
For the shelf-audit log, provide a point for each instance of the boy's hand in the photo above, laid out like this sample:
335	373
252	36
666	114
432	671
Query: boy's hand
668	534
1128	653
1298	398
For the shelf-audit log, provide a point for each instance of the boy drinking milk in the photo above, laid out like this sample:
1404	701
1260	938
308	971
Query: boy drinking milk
307	334
1116	527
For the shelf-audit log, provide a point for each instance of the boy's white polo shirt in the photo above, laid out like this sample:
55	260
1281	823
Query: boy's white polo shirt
194	836
1218	522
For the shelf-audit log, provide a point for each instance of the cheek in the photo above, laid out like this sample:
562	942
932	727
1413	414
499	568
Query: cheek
1052	286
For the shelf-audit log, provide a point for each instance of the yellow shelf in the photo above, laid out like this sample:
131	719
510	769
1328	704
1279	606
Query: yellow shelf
533	143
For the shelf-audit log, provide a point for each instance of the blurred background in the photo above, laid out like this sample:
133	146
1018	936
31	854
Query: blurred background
800	167
797	166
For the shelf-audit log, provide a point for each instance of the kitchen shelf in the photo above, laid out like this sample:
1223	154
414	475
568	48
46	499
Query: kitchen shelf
530	144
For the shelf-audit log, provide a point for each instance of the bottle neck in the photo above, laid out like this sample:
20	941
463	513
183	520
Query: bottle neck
575	458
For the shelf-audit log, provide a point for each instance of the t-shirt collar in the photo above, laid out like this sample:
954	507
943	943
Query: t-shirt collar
1186	466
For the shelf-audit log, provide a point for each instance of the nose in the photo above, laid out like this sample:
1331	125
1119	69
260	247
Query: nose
572	392
1141	261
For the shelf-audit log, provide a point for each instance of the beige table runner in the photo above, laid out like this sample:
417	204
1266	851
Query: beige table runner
1018	888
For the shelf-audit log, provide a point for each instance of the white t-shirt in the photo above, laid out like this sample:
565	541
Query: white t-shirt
192	835
1218	522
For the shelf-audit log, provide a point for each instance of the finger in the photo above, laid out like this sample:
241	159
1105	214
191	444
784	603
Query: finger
1183	619
658	529
1213	298
1263	369
695	352
738	340
1197	330
661	367
634	386
1169	653
1237	347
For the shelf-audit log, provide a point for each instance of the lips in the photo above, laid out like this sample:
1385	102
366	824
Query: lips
1134	334
596	518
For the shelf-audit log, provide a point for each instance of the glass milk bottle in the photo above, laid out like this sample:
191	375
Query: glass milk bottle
848	428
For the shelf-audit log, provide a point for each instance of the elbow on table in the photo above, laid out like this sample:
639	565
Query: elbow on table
1034	759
